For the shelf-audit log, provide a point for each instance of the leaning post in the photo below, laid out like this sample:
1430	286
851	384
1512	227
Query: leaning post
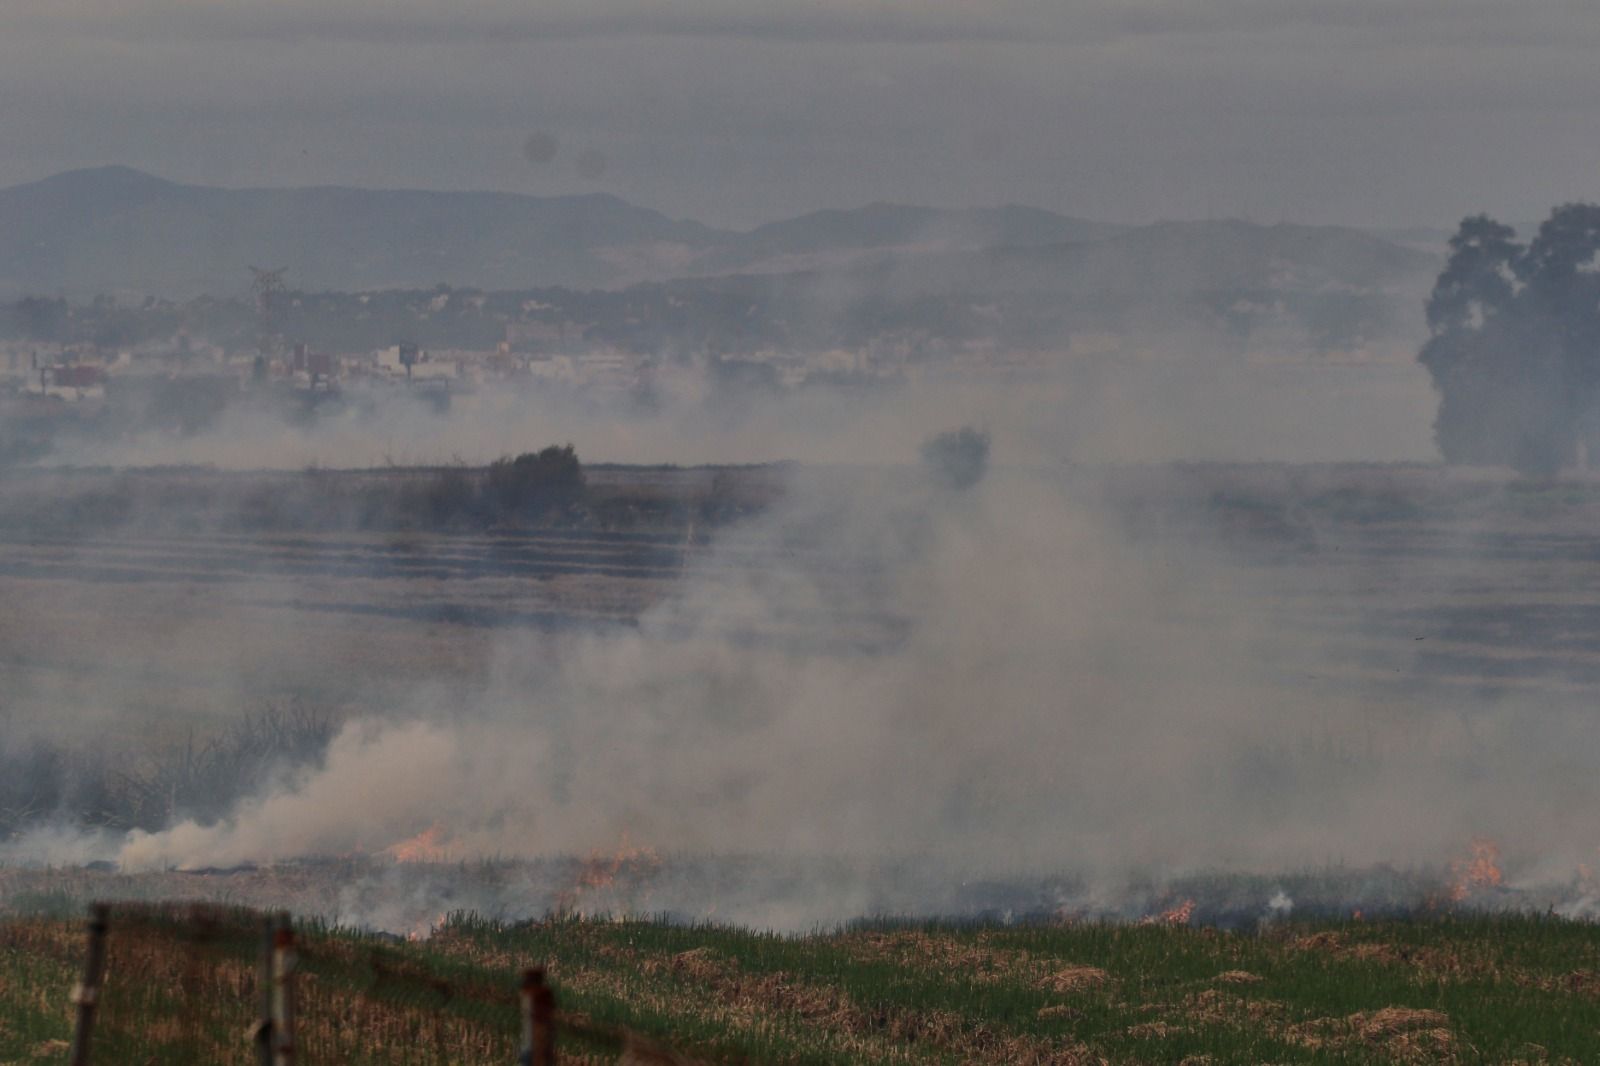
283	973
87	994
261	1034
538	1020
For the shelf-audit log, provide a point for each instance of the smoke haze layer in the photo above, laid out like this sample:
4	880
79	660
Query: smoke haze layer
1072	668
1000	680
1140	403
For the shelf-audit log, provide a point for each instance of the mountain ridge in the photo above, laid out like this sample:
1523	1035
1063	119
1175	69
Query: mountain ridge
117	229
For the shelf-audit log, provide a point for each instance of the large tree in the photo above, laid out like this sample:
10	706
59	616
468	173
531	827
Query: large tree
1514	349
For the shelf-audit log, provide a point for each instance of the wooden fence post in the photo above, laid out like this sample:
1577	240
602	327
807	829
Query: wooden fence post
87	994
538	1020
283	973
262	1033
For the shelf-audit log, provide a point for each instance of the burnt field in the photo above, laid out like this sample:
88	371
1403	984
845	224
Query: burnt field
1260	678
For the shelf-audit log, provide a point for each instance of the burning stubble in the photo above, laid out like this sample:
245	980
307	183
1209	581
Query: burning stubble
997	683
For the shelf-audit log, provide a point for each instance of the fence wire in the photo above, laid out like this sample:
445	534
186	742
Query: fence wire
187	984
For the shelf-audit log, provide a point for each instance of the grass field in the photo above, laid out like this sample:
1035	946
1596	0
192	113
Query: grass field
1442	989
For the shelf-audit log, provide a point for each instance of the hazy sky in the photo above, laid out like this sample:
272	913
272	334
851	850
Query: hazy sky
739	111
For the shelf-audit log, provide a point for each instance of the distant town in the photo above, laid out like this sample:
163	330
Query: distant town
109	369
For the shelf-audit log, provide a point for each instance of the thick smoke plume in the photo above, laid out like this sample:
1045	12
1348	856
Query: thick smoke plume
1040	668
997	680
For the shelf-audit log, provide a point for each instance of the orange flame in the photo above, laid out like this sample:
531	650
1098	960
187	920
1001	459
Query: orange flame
1480	871
1178	915
600	871
430	845
425	928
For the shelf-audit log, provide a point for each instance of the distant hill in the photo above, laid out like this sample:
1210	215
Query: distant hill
118	230
1177	257
1226	272
1316	287
1182	287
826	237
114	229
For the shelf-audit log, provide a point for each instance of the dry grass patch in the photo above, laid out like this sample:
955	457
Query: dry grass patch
1057	1011
1401	1034
1213	1006
921	950
1238	977
1072	979
892	1032
1446	964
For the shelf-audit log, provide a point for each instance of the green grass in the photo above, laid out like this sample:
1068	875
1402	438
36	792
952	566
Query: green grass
1447	988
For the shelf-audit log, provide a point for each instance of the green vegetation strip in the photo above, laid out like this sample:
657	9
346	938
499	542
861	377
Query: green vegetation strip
1443	989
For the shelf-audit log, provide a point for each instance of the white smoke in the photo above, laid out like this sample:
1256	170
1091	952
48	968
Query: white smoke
999	680
1167	399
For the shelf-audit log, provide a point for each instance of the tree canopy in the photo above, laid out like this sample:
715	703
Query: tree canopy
1514	345
958	458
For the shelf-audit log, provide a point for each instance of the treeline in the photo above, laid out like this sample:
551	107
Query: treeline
547	489
535	489
1514	350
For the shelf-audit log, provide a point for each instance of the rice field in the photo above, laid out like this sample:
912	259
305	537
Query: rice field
1448	988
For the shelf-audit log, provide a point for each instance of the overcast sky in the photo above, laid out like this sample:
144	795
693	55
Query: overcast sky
1387	112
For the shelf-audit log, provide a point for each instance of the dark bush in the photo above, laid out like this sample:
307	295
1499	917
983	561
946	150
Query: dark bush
958	458
535	485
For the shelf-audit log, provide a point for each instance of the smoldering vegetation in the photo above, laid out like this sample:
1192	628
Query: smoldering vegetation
1070	689
786	893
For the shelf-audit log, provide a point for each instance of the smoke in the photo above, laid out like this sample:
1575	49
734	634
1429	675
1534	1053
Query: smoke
884	669
342	807
1156	400
1071	671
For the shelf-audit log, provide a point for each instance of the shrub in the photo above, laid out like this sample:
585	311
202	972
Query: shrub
958	458
534	485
